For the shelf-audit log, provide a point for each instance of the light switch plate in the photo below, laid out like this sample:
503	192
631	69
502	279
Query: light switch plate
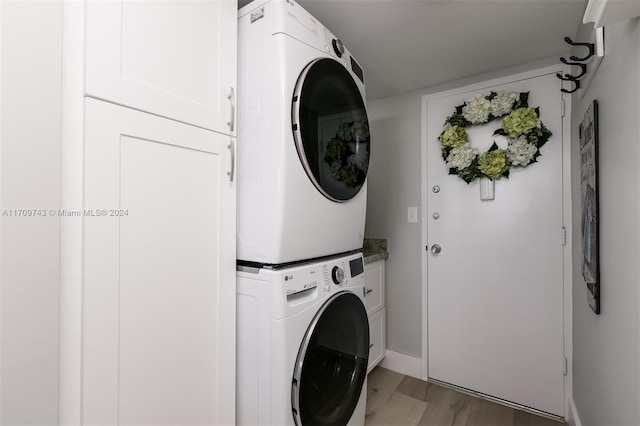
412	214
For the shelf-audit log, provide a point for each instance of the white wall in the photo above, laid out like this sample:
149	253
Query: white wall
394	184
30	179
606	347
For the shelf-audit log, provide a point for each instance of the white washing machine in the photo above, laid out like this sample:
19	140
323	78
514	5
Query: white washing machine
302	344
303	138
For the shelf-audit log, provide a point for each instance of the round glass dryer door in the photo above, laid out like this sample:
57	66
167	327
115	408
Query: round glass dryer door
331	129
332	363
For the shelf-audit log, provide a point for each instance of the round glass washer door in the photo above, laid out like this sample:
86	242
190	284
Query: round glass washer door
332	363
331	129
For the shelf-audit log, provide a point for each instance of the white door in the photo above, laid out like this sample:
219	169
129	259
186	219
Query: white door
159	271
495	290
176	59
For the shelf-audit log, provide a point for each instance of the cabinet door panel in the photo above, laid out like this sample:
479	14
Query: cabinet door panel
378	349
159	280
176	59
374	279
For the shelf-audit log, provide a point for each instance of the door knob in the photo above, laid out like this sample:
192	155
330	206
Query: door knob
435	249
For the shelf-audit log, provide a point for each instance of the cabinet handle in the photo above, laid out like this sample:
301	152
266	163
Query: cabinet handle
370	346
231	99
369	290
233	160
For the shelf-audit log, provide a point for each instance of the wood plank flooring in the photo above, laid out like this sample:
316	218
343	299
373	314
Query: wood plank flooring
394	400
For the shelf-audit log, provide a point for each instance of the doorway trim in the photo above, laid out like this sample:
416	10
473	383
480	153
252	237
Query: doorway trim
566	215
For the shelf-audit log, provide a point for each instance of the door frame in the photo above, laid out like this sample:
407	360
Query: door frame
566	214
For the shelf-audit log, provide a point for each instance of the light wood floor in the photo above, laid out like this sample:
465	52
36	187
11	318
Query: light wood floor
394	399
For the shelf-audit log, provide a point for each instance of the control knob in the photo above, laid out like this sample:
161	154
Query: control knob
338	47
337	275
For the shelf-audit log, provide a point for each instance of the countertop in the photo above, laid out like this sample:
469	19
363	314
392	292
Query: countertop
375	249
374	256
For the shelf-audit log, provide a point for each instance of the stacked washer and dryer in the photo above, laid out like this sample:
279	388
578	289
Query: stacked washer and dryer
303	155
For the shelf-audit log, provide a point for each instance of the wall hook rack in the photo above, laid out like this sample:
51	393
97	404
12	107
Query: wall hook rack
582	79
592	60
589	46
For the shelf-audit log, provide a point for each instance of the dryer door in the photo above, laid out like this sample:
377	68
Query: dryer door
331	129
332	363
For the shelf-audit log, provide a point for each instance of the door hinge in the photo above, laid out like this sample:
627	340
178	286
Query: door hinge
564	236
564	366
562	103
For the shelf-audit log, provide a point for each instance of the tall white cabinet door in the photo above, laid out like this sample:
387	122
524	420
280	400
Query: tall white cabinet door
176	59
159	271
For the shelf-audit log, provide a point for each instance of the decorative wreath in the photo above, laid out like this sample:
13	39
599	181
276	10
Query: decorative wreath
340	156
521	126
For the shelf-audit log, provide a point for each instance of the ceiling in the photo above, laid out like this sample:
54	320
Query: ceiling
404	45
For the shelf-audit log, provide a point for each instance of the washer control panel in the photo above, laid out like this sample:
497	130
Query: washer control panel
325	276
342	272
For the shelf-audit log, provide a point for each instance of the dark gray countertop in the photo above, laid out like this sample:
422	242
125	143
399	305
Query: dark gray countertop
374	256
375	249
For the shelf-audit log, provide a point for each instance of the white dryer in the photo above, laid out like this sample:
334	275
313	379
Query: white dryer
303	138
302	344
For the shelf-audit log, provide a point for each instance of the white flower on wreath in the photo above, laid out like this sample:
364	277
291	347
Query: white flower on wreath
360	130
502	103
334	170
461	157
476	109
344	132
520	152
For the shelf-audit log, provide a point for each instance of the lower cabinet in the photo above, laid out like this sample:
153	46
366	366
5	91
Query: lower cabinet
376	310
158	293
377	344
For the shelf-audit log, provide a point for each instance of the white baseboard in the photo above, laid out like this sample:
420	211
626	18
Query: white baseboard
573	419
403	364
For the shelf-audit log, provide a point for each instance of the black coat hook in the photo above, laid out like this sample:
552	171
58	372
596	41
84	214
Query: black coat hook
566	77
583	69
590	46
577	86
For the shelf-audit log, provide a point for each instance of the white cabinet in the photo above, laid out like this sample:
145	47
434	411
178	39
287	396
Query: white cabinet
147	294
176	59
376	310
159	271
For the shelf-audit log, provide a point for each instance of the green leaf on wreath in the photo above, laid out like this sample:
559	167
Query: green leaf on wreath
457	120
523	102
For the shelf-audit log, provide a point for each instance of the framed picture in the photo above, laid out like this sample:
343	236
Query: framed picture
588	133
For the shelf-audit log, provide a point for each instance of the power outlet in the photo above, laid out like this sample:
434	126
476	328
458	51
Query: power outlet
412	214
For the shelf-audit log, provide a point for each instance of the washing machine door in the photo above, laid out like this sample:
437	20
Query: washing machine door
331	129
332	363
